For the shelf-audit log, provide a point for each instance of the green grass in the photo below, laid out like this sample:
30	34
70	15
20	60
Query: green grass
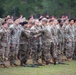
44	70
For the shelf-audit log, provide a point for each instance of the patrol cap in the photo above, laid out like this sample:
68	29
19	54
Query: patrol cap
44	19
23	23
59	21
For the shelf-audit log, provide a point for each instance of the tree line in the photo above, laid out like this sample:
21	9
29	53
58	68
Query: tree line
37	7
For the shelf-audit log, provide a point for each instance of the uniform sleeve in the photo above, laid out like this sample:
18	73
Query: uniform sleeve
67	33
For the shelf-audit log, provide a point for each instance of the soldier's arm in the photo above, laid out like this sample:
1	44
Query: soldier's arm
42	30
25	34
1	31
37	35
67	37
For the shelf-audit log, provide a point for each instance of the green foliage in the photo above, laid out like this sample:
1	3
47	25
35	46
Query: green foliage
34	7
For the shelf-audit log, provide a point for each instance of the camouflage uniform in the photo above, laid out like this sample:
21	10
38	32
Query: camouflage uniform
0	22
75	42
54	44
35	44
61	42
14	39
4	48
23	47
46	42
69	41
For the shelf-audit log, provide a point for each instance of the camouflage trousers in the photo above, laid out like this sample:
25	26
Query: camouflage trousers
34	53
13	53
35	50
75	46
60	52
23	53
54	50
4	53
75	51
2	60
46	53
70	49
61	46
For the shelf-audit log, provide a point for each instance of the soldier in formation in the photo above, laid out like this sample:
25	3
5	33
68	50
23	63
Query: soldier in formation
44	38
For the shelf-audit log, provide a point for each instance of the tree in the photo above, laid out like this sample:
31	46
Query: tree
35	7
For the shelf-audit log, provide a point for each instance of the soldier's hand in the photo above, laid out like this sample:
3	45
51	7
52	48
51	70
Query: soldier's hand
67	40
35	36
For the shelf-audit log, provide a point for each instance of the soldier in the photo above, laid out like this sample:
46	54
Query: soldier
75	39
46	42
54	43
9	21
33	43
15	31
61	40
65	23
70	40
36	44
38	41
4	51
24	45
50	22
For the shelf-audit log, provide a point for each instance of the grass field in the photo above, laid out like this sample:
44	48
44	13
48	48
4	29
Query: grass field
44	70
